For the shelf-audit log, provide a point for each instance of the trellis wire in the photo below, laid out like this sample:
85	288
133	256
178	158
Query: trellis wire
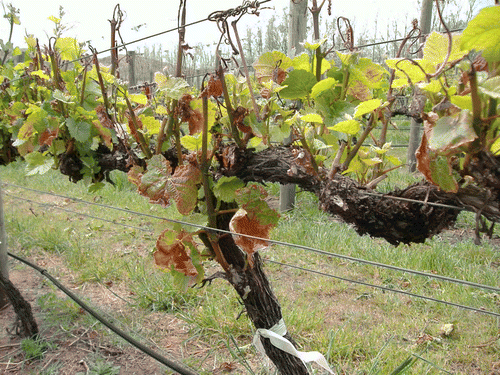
387	289
172	364
276	242
398	291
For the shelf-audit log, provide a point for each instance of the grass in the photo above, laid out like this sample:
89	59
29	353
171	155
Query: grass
359	329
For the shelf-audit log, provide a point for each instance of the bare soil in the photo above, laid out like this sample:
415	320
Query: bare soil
76	350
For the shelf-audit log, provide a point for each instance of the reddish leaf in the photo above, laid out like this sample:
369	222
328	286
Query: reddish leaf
153	182
184	185
160	185
241	223
173	251
48	136
193	117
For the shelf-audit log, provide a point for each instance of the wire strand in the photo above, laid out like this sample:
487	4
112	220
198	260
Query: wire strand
78	213
386	288
276	242
172	364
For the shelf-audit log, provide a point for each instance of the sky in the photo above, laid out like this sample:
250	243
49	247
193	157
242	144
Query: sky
88	20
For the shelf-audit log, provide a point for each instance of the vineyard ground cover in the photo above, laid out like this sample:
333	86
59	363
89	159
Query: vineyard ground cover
360	330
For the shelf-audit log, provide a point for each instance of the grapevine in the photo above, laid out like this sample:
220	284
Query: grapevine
207	150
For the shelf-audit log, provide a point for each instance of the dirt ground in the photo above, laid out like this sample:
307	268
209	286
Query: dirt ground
75	351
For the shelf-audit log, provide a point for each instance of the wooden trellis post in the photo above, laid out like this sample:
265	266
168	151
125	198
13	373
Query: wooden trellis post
4	265
415	125
296	34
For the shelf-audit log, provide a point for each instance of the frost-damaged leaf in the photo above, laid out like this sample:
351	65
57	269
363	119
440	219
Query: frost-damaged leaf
451	132
483	34
105	134
184	186
177	250
252	200
213	87
153	182
160	185
242	223
193	117
272	66
48	136
103	117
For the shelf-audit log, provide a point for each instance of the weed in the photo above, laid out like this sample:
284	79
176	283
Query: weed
35	349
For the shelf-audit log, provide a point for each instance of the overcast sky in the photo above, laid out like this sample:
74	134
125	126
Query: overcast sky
88	19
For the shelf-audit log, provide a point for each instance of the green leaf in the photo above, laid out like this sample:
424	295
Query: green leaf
38	163
151	124
41	74
412	71
432	87
491	87
436	48
371	162
139	98
301	62
68	48
225	188
35	123
323	85
462	102
315	45
351	127
62	97
81	130
367	107
299	84
441	174
312	117
451	132
173	87
193	142
483	34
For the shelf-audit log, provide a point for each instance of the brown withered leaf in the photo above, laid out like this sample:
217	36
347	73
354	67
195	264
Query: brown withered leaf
213	87
193	117
279	75
239	115
241	223
105	134
173	250
103	117
423	158
302	159
47	137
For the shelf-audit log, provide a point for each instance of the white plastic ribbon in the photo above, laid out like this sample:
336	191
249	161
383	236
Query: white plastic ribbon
275	335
